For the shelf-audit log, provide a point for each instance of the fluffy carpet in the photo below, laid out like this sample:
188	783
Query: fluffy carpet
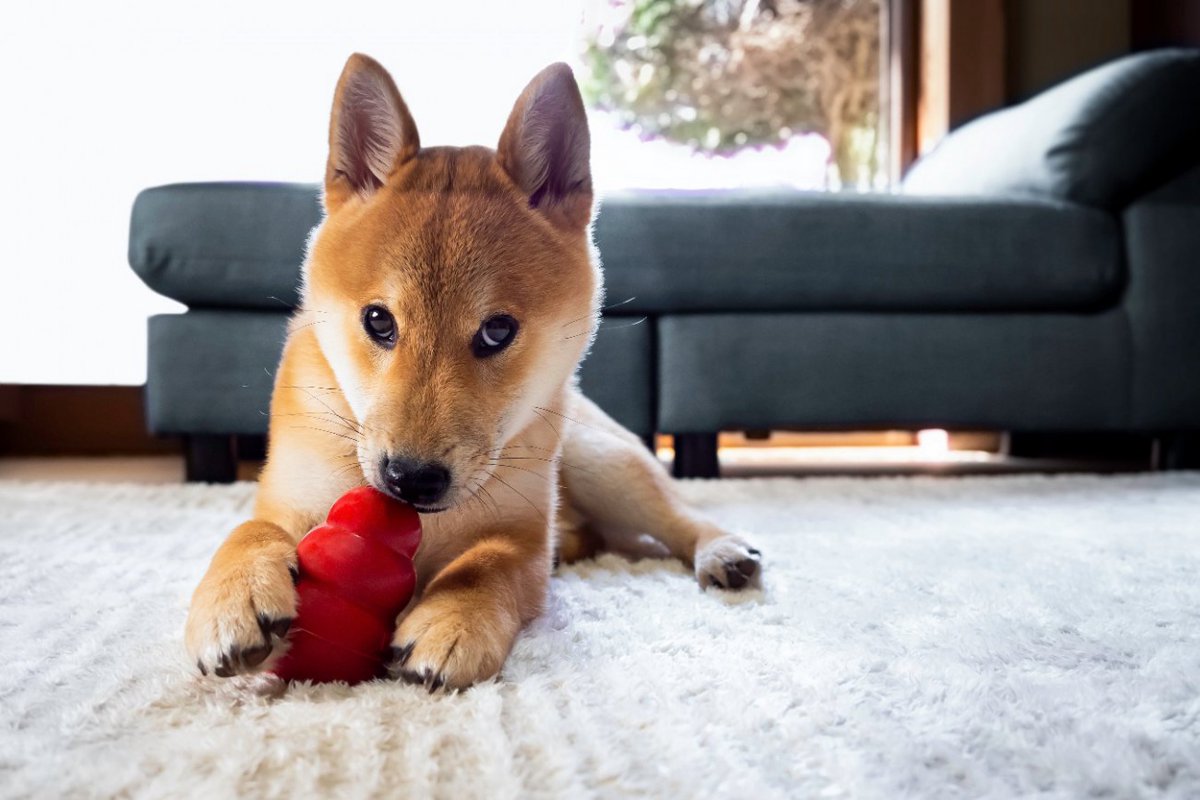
917	637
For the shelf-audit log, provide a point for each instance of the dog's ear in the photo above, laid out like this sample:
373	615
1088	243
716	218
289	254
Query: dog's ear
371	132
545	147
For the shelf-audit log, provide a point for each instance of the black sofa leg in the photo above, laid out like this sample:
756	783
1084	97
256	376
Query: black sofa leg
1177	451
210	458
1132	449
696	456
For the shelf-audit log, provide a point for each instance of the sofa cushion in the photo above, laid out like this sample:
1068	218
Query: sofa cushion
241	246
224	245
1098	139
743	251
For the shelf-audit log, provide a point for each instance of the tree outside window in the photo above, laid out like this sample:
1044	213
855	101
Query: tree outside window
724	76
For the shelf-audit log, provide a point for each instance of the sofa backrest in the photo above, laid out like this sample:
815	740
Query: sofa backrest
1098	139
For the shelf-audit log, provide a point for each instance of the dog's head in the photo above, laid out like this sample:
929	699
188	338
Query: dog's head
454	288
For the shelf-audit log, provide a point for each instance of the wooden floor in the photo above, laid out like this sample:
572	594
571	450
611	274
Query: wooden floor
739	462
114	469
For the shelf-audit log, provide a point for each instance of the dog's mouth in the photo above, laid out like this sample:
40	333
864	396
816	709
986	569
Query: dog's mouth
420	508
429	509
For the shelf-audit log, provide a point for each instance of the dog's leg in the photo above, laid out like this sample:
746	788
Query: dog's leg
241	611
575	540
621	489
469	614
242	608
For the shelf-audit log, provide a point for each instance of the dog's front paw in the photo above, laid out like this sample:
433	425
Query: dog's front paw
728	562
241	612
452	640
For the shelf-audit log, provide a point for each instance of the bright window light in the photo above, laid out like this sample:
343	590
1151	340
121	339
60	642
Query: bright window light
933	440
106	99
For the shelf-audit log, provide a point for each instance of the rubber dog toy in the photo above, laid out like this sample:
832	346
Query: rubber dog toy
356	575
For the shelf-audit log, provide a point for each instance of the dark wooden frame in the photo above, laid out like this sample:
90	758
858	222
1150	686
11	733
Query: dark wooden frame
45	420
1164	23
902	83
961	64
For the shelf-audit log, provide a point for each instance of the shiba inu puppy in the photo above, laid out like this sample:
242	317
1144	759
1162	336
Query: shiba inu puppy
449	295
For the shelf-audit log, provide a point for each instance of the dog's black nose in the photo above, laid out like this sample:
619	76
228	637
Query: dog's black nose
416	483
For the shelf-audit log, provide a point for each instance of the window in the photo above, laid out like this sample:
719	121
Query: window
736	92
685	95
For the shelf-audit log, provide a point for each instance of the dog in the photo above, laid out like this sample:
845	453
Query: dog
449	295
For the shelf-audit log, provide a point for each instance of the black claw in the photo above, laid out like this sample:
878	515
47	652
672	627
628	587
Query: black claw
400	654
433	682
747	566
409	676
254	656
223	668
200	666
294	569
264	625
273	627
754	551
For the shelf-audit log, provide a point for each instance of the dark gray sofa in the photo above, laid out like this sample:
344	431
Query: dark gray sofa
1040	272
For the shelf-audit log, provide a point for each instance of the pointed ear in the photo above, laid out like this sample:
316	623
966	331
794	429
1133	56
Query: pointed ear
545	147
371	132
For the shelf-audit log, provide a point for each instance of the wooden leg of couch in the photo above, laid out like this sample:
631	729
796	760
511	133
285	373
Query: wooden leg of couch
210	458
1099	446
696	456
1177	451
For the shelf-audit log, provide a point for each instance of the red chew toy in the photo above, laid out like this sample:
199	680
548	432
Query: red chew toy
356	575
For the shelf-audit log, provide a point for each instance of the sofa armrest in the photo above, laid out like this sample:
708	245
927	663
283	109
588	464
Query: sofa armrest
1098	139
224	245
1162	234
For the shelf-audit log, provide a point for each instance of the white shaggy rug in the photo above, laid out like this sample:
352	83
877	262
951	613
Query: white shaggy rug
927	637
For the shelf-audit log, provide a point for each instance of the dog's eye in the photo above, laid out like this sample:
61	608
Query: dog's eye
380	325
494	335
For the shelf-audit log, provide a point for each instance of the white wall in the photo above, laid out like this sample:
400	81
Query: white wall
104	99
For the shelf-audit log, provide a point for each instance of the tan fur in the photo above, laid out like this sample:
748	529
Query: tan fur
444	238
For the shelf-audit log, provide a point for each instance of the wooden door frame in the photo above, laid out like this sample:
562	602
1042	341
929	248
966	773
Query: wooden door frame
946	65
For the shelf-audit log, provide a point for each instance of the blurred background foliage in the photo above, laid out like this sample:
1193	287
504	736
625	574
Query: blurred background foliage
723	75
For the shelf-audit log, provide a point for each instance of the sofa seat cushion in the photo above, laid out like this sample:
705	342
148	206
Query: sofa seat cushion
241	246
750	251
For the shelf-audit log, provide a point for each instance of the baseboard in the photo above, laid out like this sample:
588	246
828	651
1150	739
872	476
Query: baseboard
9	404
77	420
